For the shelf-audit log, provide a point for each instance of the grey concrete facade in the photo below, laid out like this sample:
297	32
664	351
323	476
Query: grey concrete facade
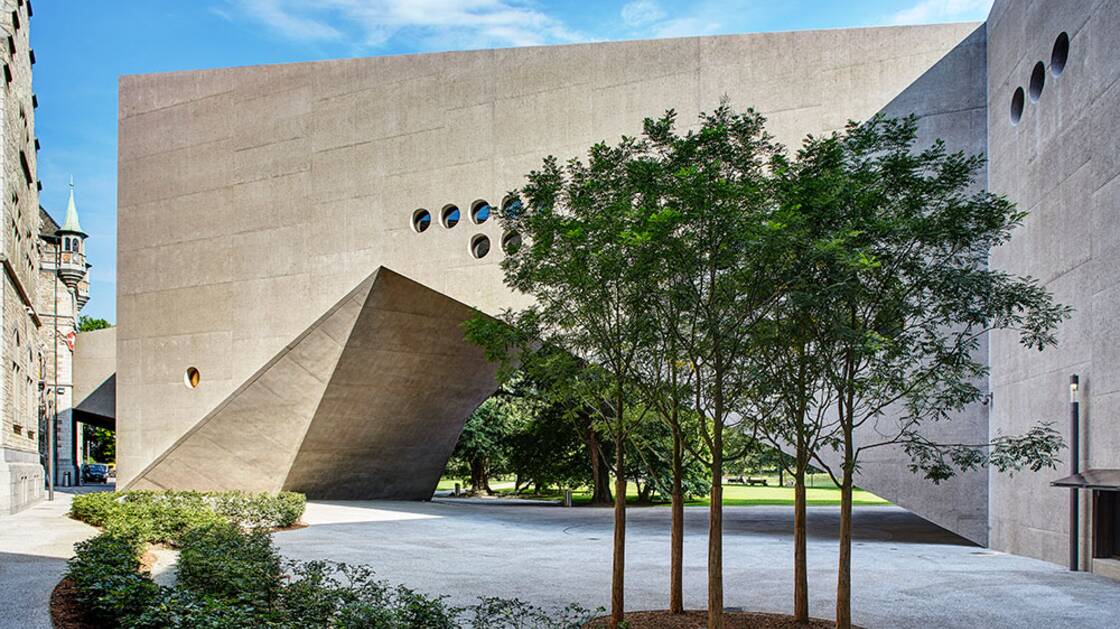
1061	163
253	200
340	411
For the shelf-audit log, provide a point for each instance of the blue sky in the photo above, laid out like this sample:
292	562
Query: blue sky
81	47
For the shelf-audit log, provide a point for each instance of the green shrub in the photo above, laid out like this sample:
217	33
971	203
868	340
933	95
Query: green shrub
233	566
176	608
107	577
165	516
94	509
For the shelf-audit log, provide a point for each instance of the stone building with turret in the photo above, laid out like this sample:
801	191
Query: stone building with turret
21	471
62	291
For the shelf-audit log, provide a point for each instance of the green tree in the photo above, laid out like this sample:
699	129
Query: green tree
101	444
909	299
714	228
483	447
587	284
89	324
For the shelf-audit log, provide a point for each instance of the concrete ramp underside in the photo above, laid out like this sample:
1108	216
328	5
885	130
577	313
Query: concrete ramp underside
368	402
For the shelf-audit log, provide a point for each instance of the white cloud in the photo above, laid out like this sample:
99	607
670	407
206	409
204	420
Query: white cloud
928	11
641	12
439	24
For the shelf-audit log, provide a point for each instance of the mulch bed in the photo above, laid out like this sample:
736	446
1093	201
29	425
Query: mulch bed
699	619
66	611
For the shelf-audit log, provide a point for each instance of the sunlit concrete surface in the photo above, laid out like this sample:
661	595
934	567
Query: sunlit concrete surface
34	547
907	572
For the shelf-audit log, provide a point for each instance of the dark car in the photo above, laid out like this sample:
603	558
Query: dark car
95	473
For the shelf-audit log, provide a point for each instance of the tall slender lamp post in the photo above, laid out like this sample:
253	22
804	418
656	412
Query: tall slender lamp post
53	428
1074	469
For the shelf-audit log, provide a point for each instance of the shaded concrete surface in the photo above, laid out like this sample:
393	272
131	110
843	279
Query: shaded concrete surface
368	402
34	547
908	573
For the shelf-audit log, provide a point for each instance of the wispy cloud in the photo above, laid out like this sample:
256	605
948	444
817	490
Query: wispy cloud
425	24
641	12
927	11
648	18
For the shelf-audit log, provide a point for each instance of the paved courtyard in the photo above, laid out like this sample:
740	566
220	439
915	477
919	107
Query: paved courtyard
907	572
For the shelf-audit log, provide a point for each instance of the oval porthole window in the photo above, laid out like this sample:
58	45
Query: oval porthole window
191	378
450	216
421	220
511	207
1017	106
480	211
1059	55
1038	81
480	246
511	242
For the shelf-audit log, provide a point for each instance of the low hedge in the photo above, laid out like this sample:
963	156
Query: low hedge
230	577
165	516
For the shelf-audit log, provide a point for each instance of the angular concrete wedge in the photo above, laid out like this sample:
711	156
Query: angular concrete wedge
368	402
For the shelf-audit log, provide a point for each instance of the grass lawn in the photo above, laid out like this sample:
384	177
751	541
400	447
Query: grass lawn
821	492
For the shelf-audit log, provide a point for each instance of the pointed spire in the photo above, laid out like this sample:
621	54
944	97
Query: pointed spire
70	223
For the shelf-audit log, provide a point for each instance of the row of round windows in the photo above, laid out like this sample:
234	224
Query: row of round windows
1058	56
450	216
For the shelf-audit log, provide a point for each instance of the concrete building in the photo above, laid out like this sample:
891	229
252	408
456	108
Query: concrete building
297	243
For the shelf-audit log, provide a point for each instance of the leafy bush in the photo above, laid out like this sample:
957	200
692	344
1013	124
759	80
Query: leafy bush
94	509
222	561
230	577
165	516
177	608
500	613
107	577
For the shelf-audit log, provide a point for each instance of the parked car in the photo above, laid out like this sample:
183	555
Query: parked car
95	473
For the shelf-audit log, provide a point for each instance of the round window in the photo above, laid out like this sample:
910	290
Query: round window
480	211
450	216
511	242
480	246
1038	81
511	207
1059	55
421	220
1017	106
191	378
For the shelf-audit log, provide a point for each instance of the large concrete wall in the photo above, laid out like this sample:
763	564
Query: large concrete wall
252	199
95	377
1060	162
950	100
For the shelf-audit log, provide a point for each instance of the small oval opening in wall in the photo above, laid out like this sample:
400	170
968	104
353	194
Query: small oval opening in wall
191	378
480	212
1038	81
1017	106
480	246
450	216
511	242
421	220
1059	55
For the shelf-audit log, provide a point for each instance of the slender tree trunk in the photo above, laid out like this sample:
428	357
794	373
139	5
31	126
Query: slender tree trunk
800	552
618	569
715	527
676	543
600	471
844	571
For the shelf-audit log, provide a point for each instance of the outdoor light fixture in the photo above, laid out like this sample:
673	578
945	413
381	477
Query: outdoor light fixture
1074	468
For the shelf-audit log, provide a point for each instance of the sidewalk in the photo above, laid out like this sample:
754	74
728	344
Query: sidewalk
34	547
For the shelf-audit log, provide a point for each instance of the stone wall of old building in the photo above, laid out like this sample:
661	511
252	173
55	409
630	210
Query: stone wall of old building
21	475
